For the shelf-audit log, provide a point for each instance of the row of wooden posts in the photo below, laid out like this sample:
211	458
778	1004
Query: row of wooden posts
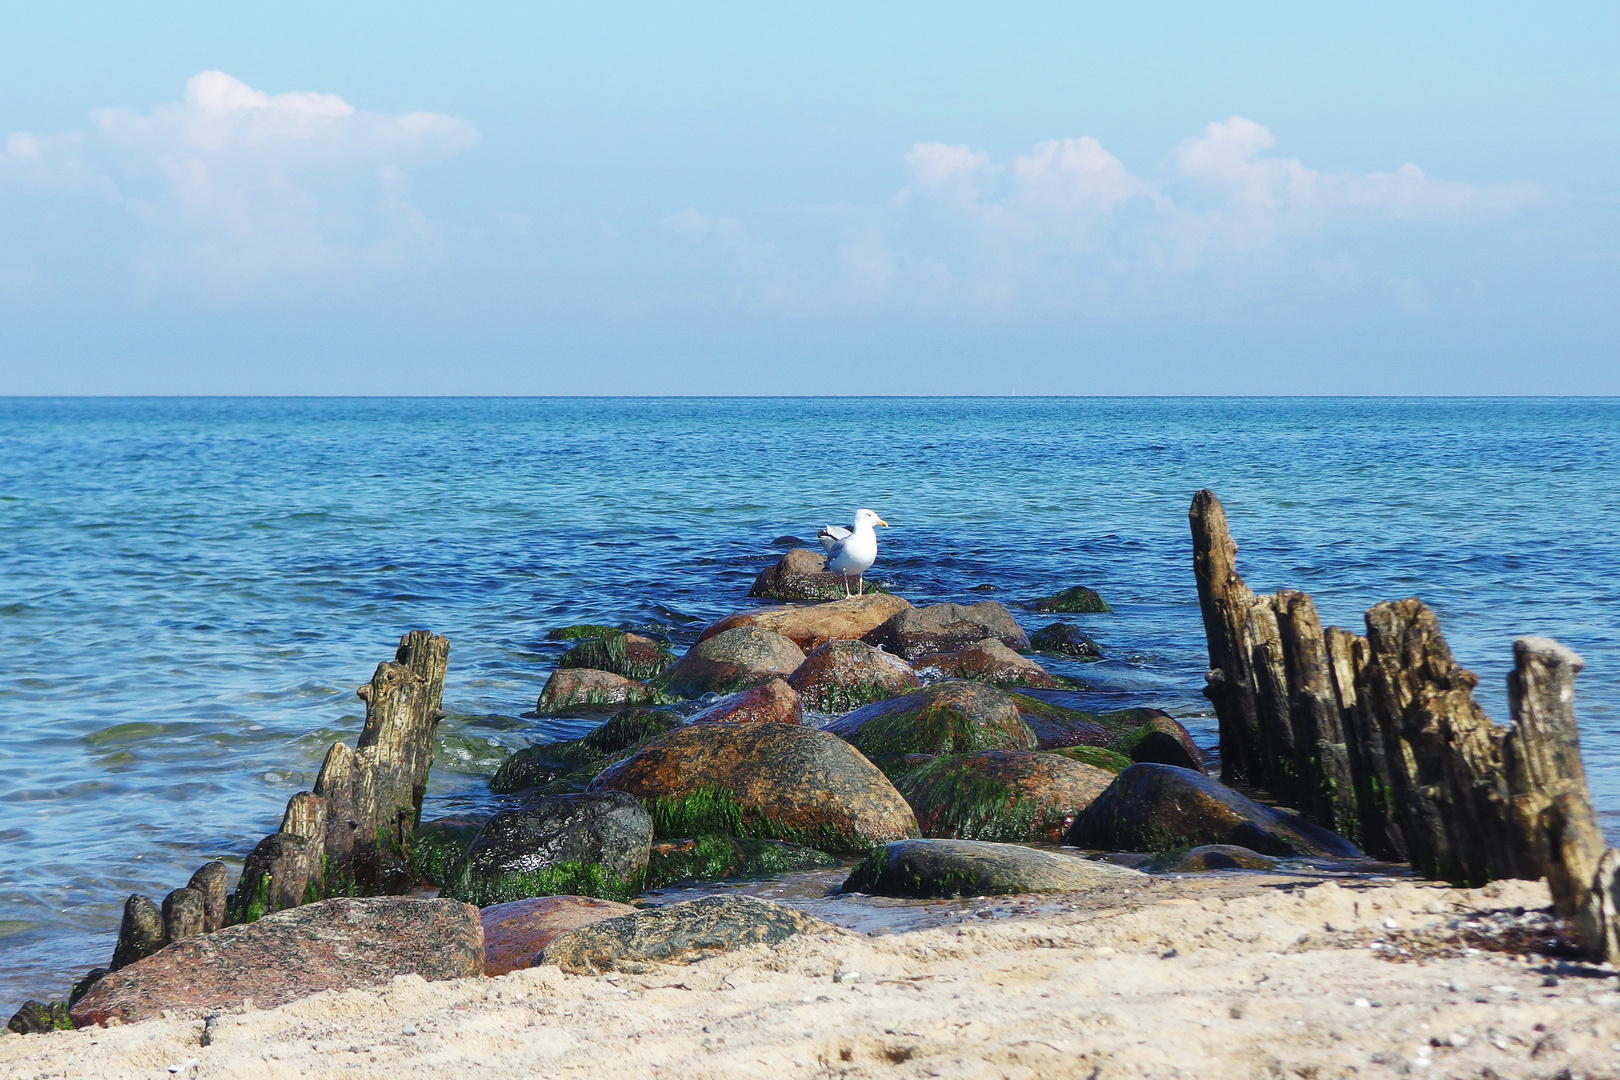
1378	737
350	836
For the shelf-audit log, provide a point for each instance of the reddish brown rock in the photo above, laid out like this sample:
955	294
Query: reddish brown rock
336	944
1012	796
988	661
944	627
774	702
843	675
953	717
734	660
812	625
801	574
515	933
588	688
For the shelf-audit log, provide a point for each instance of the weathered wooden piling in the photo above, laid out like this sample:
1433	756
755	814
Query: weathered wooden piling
140	932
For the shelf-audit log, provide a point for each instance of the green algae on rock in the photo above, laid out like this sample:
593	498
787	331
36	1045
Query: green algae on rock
733	660
1078	600
765	781
940	869
842	675
952	717
1065	639
1140	734
580	630
1107	760
589	688
561	767
629	655
437	846
715	858
1010	796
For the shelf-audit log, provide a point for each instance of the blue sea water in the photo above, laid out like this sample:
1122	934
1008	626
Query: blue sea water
191	589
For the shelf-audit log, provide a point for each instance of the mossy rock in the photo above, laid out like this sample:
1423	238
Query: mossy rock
629	655
1109	760
951	717
581	630
560	767
839	676
1065	639
930	869
1141	734
38	1017
716	858
1078	600
733	660
437	846
1011	796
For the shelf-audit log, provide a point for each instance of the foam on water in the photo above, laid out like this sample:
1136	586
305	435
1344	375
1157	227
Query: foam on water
190	589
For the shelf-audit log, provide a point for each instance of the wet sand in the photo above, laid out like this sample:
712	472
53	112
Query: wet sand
1209	976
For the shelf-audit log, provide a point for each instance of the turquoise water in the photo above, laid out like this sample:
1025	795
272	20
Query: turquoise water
191	589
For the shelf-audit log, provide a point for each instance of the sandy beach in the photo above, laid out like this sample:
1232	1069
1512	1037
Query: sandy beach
1208	976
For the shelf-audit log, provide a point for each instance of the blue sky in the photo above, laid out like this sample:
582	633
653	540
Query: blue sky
744	198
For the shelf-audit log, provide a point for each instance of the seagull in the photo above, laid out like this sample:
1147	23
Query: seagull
852	551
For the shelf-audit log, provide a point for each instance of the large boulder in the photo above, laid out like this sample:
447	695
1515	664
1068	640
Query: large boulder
942	628
945	718
774	702
987	661
715	858
811	625
515	933
1140	734
1209	857
929	869
438	845
593	844
801	574
679	934
769	781
1013	796
629	655
336	944
570	689
1078	600
558	768
1065	639
736	659
838	676
1160	808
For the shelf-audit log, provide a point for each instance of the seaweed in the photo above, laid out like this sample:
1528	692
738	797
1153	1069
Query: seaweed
713	858
569	878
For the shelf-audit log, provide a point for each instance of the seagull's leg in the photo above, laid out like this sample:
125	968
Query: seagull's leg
860	584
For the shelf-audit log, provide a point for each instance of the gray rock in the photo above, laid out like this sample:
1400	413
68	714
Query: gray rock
620	652
843	675
944	868
589	688
952	717
678	934
987	661
945	627
801	574
731	660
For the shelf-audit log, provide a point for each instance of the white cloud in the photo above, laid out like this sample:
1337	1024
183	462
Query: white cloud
234	189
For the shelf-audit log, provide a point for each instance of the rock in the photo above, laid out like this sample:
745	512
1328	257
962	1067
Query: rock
335	944
767	781
736	659
1078	600
631	656
928	869
774	702
1152	807
588	688
592	844
987	661
811	625
801	574
580	630
715	858
1065	639
1013	796
559	768
1110	761
38	1017
1212	857
678	934
945	718
841	675
515	933
1140	734
942	628
438	845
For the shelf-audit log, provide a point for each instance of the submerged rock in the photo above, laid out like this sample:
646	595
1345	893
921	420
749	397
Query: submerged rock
988	661
841	675
1078	600
801	574
715	858
734	660
594	844
811	625
1156	808
678	934
942	628
1065	639
588	688
515	933
1211	857
335	944
774	702
1004	795
769	781
559	768
927	869
946	718
1140	734
631	656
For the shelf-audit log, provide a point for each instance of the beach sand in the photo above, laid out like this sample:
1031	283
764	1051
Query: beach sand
1208	976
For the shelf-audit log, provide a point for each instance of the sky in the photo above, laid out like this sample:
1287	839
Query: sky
905	198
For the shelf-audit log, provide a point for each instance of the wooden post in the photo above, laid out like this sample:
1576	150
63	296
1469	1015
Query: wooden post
140	933
210	881
1598	921
1328	794
1545	776
1225	600
1378	833
1274	767
183	915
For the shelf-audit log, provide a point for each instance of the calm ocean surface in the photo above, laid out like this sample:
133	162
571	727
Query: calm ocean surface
191	589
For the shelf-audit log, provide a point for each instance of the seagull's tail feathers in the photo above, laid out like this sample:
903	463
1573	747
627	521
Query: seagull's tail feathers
832	534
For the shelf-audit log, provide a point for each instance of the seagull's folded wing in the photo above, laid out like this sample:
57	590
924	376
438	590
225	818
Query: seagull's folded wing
831	536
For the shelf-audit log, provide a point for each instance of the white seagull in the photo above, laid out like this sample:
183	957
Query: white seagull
852	551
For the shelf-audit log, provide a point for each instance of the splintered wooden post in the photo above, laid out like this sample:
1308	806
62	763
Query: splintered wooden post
183	915
1275	767
1545	775
1598	921
140	933
1378	833
1314	710
1225	600
211	881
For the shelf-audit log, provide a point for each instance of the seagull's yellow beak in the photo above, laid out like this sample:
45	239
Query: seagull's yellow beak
883	523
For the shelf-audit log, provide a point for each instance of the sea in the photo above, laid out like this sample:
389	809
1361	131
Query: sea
191	589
